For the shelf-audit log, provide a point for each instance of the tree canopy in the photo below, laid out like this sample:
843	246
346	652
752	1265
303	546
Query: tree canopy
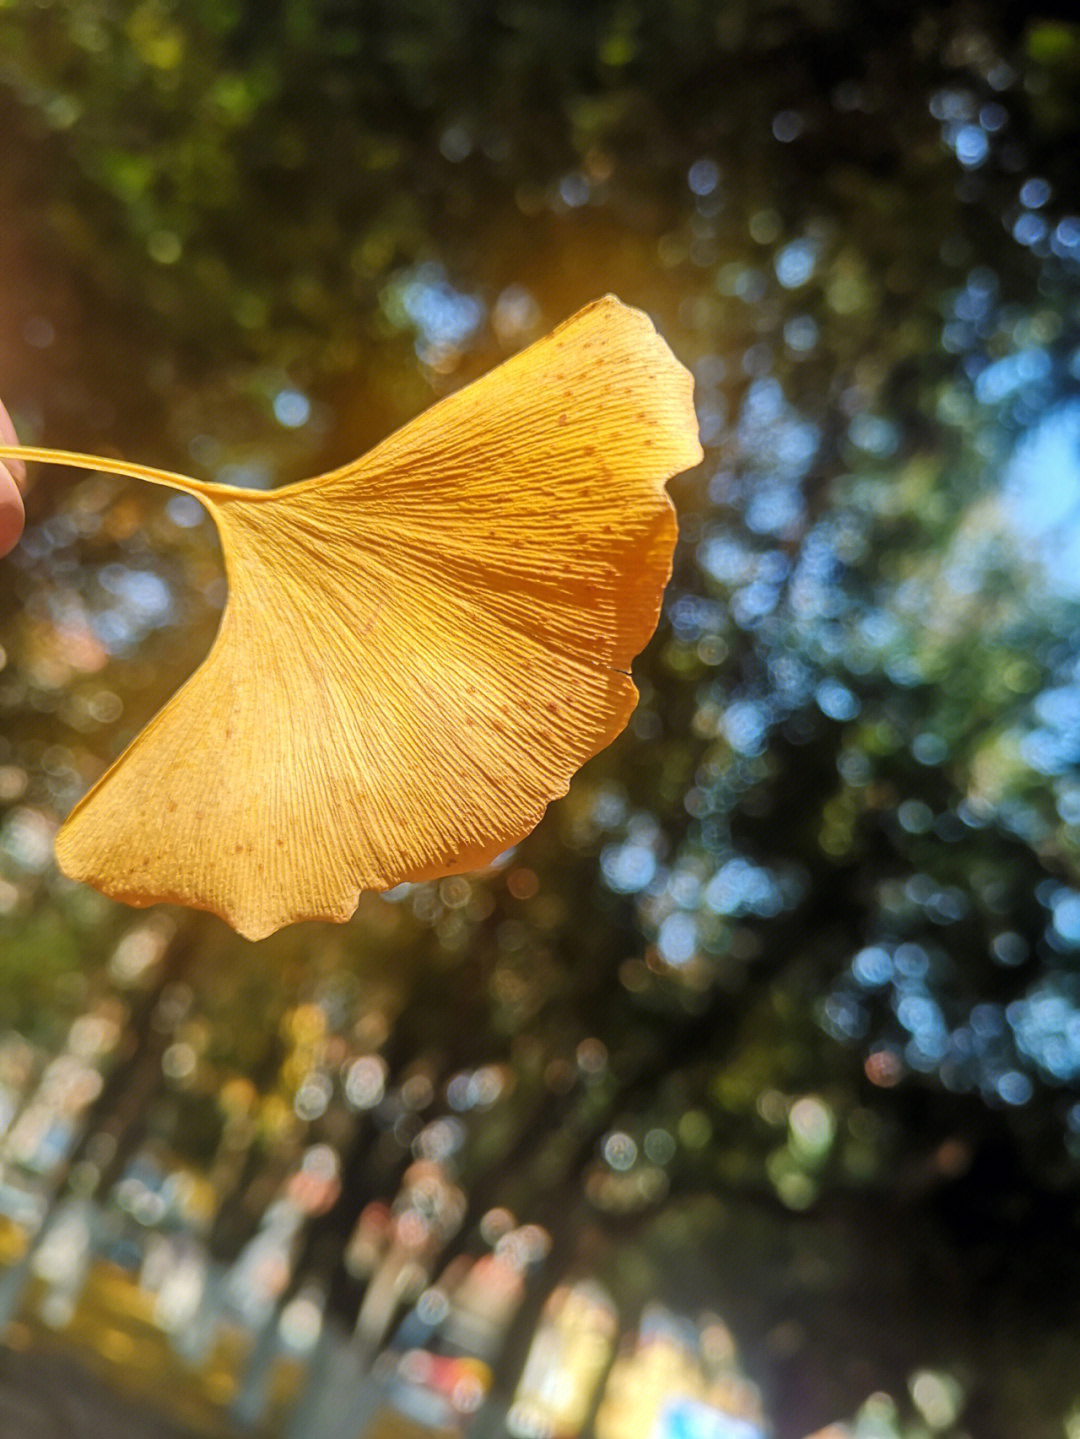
785	991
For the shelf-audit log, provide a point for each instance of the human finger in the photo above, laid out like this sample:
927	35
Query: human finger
12	475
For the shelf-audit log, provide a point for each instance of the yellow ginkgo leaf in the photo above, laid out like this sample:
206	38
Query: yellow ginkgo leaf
418	650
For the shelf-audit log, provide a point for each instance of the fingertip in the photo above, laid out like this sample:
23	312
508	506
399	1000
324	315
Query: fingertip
12	514
15	468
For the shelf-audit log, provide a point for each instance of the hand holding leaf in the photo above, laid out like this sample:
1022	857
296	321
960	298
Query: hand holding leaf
418	651
11	505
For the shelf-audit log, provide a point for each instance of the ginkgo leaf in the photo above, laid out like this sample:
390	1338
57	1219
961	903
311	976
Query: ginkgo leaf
418	650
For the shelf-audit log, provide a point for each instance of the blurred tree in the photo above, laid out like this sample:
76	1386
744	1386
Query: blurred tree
791	971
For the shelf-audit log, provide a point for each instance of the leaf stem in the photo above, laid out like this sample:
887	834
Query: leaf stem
127	468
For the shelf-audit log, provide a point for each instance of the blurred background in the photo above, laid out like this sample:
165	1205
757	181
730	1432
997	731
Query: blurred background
743	1097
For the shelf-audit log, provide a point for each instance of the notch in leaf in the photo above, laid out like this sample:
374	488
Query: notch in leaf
419	650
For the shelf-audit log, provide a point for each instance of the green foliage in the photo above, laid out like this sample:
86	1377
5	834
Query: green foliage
794	937
41	976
